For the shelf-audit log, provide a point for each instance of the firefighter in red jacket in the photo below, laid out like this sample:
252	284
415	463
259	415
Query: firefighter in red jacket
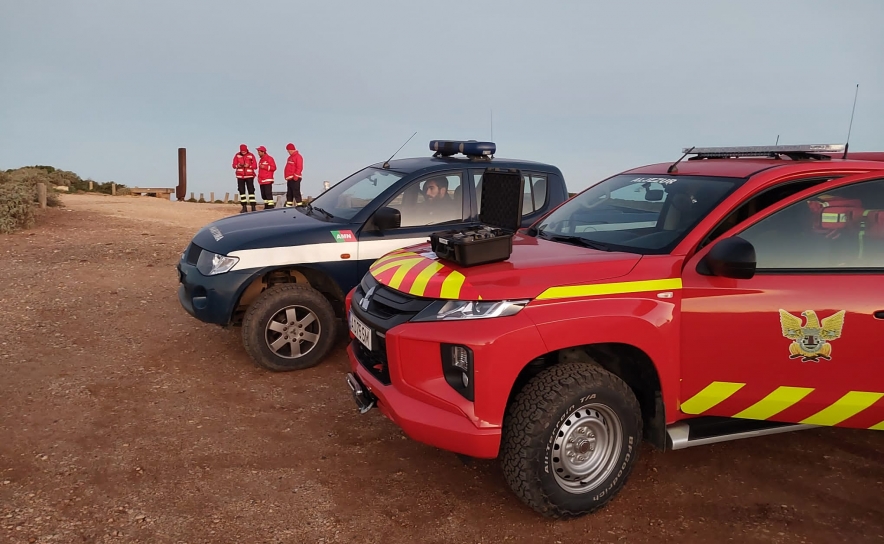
245	165
266	168
293	168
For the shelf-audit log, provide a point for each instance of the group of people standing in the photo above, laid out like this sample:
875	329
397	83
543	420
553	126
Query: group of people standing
246	167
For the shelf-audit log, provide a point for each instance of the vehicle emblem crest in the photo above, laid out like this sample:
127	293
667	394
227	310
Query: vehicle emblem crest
367	299
811	338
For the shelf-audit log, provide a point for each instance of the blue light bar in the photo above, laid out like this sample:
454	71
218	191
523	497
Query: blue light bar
470	148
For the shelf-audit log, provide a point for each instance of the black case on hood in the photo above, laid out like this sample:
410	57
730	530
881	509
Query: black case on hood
502	192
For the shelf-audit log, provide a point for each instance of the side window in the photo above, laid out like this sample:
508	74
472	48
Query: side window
534	193
758	203
839	229
432	200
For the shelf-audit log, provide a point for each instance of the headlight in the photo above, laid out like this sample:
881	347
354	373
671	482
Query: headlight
449	310
210	264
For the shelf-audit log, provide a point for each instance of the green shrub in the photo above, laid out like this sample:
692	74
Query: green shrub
16	204
202	200
106	187
191	199
53	199
218	202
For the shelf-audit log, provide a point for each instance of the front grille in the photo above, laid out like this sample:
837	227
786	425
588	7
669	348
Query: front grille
192	255
386	309
373	361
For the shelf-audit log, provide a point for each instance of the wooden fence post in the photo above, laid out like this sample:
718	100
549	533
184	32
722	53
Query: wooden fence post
202	197
90	185
212	196
41	194
113	189
191	196
226	198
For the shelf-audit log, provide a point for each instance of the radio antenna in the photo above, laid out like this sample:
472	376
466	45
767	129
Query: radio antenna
778	140
492	124
847	143
387	162
674	167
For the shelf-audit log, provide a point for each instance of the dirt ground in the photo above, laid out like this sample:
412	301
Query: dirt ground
123	419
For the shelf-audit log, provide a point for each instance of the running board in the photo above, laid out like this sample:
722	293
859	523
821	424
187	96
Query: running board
711	430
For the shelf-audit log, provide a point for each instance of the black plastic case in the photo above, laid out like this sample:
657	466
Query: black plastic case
492	241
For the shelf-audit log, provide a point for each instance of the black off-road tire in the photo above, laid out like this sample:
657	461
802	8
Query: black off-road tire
270	304
556	399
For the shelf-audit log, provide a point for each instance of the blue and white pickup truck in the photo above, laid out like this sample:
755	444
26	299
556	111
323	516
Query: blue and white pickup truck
283	274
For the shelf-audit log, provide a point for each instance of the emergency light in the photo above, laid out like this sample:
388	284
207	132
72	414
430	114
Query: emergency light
470	148
763	150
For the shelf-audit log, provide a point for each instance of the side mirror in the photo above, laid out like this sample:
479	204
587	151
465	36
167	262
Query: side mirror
654	195
387	218
732	257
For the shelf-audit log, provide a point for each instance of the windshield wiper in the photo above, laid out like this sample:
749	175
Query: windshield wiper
575	240
320	210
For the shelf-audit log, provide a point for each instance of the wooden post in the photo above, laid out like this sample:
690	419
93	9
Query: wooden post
181	190
226	198
41	194
212	196
90	185
202	197
113	189
191	196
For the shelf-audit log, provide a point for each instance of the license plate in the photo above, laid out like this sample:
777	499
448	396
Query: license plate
360	330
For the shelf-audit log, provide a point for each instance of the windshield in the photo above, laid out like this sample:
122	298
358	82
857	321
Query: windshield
636	213
347	198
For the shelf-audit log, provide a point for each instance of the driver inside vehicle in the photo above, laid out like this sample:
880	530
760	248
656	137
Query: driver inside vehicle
437	200
436	191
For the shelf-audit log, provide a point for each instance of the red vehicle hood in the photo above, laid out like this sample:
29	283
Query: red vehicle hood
534	266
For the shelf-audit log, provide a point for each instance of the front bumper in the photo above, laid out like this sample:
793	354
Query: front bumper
404	375
211	299
426	423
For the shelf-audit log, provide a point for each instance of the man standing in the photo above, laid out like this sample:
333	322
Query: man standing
266	168
245	164
293	168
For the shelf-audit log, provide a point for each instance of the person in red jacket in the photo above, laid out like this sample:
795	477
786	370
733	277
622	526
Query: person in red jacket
245	165
293	168
266	168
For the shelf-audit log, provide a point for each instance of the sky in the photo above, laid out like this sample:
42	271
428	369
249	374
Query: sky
112	88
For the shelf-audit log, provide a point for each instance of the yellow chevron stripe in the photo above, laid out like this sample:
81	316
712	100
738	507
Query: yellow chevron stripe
576	291
404	267
420	282
776	402
390	257
878	427
452	284
387	266
710	396
846	407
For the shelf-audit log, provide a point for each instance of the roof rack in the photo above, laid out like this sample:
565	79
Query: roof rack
794	152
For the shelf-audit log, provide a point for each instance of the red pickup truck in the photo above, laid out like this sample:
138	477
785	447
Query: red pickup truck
736	293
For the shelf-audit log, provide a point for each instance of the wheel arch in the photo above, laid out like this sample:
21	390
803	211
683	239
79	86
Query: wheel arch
268	277
626	361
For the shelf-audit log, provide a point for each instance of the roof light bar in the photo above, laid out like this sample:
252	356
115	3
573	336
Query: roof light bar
470	148
764	150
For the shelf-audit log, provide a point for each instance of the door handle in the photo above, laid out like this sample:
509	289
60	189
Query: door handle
879	314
